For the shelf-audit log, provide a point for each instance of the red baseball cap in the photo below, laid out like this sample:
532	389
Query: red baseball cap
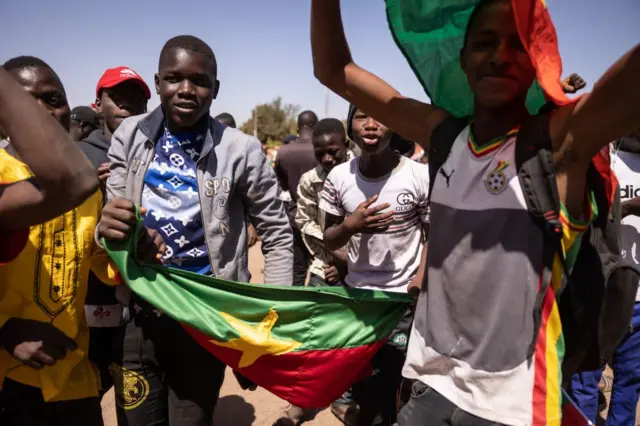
114	76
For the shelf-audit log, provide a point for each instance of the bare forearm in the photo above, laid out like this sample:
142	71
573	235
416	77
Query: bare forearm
423	265
328	42
44	145
630	207
614	101
337	237
340	254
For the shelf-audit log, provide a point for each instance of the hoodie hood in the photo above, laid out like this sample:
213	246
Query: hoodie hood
350	114
98	140
398	143
96	146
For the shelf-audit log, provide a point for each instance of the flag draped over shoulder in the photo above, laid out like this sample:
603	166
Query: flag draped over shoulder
305	345
430	34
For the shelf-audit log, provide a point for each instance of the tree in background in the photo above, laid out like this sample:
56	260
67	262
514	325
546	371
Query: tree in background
275	120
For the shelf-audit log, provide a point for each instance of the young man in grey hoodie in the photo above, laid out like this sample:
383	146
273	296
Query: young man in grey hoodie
120	93
196	179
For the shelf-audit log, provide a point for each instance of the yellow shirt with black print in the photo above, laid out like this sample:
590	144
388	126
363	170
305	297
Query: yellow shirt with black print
47	282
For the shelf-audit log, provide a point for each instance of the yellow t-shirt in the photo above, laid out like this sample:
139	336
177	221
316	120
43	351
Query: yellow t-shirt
47	282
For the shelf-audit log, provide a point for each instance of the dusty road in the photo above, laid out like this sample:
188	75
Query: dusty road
237	407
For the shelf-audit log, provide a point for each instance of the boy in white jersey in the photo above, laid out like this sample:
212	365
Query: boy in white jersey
473	330
625	161
384	242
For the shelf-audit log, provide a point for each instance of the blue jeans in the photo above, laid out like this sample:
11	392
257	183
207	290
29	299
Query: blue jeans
626	382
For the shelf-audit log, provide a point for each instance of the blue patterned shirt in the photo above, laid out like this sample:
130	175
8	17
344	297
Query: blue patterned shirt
170	195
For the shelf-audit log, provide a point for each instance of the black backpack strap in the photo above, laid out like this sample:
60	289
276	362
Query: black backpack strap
536	172
442	140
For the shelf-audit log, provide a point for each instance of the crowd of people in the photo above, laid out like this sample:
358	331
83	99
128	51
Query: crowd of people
359	207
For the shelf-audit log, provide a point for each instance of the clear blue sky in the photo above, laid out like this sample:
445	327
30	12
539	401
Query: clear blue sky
262	46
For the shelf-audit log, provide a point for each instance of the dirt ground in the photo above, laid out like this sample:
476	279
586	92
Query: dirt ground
237	407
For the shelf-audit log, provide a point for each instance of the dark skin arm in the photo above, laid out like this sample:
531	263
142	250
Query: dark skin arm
252	235
366	219
335	68
573	84
281	175
35	343
416	283
580	130
630	207
64	178
117	222
339	255
338	266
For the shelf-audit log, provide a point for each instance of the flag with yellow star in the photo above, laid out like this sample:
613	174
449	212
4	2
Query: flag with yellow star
305	345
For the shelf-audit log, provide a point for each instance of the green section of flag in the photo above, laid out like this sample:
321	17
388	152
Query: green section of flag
430	34
318	318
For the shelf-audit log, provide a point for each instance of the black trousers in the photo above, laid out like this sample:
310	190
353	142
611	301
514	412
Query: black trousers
22	405
301	258
103	352
378	394
164	378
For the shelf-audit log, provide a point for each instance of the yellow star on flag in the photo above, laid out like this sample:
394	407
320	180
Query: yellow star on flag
255	341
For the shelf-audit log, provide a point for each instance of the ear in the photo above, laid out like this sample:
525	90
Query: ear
217	89
98	103
156	79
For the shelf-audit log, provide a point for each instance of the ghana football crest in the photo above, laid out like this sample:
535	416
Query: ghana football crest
496	181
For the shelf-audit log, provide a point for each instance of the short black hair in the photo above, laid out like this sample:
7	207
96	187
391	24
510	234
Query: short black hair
21	62
307	119
483	4
190	43
226	118
330	126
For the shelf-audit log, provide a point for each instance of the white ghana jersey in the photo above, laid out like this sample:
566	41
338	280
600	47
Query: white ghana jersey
389	260
474	324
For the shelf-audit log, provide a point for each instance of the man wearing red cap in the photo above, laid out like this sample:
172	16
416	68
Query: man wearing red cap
120	93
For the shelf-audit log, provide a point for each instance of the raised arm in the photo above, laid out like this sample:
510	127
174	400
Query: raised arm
609	112
63	178
334	67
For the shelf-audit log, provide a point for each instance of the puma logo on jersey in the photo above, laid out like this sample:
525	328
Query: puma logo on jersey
447	177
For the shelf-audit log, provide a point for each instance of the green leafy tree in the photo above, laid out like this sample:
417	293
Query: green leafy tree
275	120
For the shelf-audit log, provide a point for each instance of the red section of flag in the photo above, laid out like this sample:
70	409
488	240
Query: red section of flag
602	163
539	37
540	358
12	244
307	379
571	415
